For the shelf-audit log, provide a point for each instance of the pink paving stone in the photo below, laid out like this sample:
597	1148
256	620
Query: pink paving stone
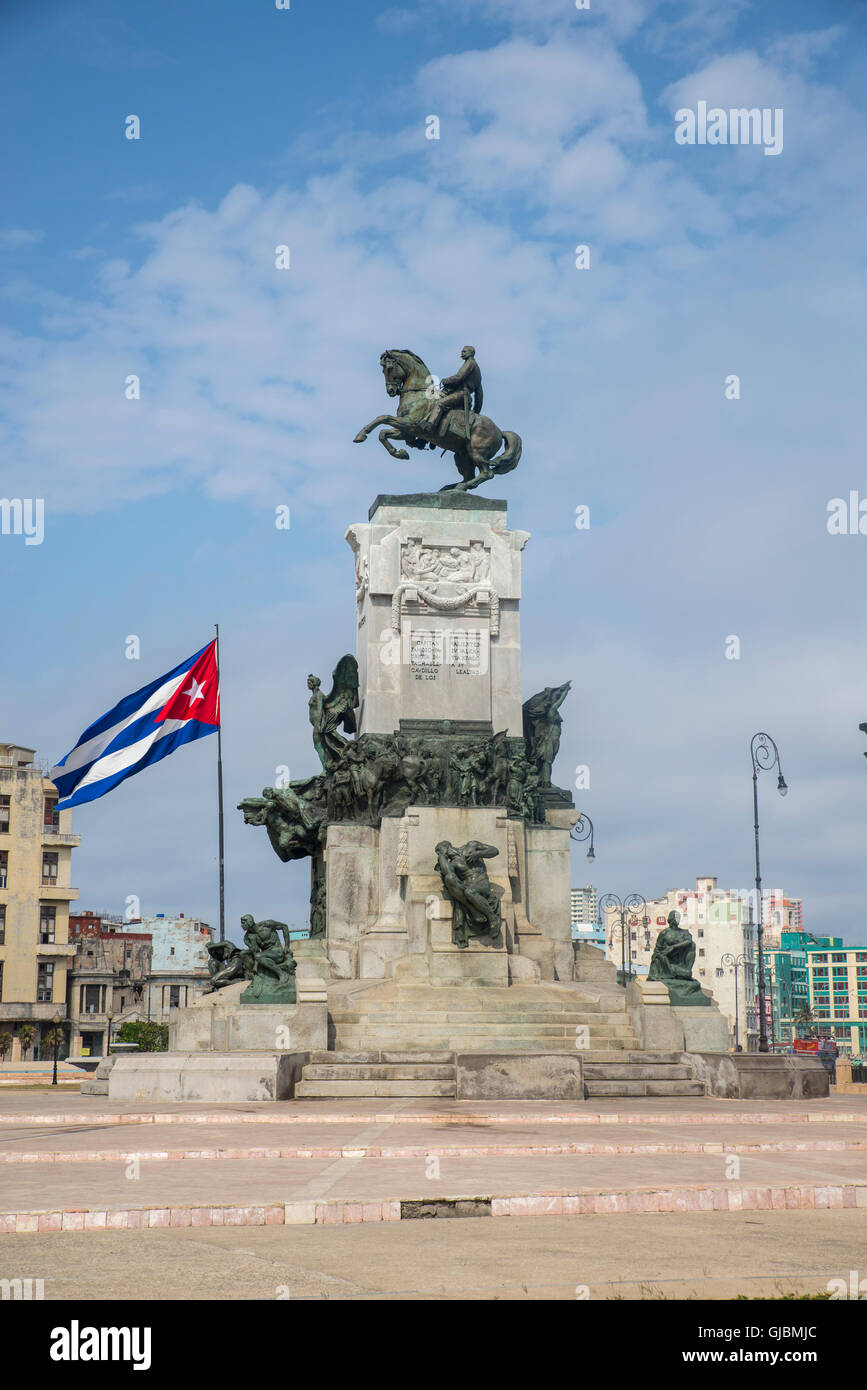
615	1201
134	1220
353	1212
218	1216
778	1198
519	1206
500	1206
51	1221
200	1216
720	1199
835	1196
849	1197
546	1206
705	1199
666	1201
762	1197
95	1220
181	1216
116	1220
299	1213
329	1213
808	1197
748	1199
159	1216
372	1211
73	1221
273	1216
391	1211
821	1196
26	1221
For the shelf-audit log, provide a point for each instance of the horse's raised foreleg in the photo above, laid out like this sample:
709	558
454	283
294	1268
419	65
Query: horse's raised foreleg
391	420
385	438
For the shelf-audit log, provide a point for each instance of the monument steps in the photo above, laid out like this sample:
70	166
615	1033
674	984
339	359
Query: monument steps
370	1073
632	1071
378	1071
384	1090
597	1090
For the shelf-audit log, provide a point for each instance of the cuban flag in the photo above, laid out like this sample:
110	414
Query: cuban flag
174	709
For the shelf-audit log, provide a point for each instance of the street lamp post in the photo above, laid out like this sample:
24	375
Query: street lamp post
765	757
632	903
109	1014
56	1021
736	962
581	830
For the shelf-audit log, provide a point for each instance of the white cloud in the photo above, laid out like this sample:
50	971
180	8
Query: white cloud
11	238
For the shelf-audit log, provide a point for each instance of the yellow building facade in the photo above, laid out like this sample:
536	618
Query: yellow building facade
36	844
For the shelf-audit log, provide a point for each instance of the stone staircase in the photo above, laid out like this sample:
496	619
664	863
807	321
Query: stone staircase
421	1075
395	1039
639	1074
385	1016
376	1073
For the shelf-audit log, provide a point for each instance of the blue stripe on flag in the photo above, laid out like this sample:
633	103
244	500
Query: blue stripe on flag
160	748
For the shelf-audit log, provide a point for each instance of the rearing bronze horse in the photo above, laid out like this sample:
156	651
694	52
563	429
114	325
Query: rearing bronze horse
407	376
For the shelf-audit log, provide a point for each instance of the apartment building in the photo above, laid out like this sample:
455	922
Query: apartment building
36	844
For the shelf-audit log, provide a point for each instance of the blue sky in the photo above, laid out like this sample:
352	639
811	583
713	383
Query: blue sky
708	516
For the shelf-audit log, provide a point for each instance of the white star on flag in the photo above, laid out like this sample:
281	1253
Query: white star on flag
195	691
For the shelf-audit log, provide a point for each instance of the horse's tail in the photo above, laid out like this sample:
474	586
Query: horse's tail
511	455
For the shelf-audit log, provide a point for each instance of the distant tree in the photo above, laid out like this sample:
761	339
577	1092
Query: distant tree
26	1034
5	1044
803	1018
151	1037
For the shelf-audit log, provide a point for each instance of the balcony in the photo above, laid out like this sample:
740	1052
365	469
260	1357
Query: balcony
52	836
35	1012
57	892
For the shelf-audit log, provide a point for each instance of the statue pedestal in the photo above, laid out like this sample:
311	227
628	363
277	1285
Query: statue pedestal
220	1022
380	883
661	1026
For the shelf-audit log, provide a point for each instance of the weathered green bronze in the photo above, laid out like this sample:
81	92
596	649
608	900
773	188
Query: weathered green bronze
542	725
273	965
226	964
475	904
443	419
432	763
671	964
329	711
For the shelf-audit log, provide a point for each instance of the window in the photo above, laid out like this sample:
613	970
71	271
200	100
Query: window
47	923
4	866
2	924
840	956
174	996
1	979
818	958
51	815
44	981
89	998
4	815
49	870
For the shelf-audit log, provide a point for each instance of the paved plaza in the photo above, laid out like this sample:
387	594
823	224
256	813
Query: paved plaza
693	1197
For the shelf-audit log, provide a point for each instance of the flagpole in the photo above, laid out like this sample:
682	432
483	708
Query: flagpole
220	798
